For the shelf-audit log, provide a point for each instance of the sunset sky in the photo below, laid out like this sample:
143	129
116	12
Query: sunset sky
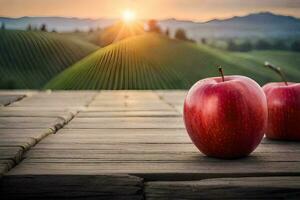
197	10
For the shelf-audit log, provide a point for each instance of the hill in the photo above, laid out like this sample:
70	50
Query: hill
30	59
152	61
119	31
259	18
61	24
264	24
288	61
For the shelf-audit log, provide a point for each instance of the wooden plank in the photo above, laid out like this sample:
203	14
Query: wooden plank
25	143
72	95
226	188
31	122
53	126
27	93
161	170
67	115
8	99
127	95
173	97
6	165
37	134
132	122
3	169
27	119
131	108
171	92
98	156
57	99
63	103
101	139
106	136
153	113
41	109
72	187
155	148
128	132
176	136
152	160
126	102
11	153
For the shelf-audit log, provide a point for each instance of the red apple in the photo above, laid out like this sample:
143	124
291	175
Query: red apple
226	117
284	110
283	107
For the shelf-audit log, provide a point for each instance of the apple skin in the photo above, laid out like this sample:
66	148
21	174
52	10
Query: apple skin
284	111
226	119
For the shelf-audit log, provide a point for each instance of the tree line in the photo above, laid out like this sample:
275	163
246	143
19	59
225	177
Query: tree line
42	27
179	34
153	26
262	44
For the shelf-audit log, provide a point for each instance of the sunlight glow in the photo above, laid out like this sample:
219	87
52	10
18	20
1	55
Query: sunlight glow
128	16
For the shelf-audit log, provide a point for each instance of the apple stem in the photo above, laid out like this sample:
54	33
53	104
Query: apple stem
278	71
222	74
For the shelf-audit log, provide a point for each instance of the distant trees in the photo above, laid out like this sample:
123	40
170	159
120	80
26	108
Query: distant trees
91	30
29	27
261	44
167	32
180	34
2	26
7	84
203	41
280	45
246	46
295	46
153	26
43	28
243	46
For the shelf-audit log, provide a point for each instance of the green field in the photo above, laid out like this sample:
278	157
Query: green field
288	61
29	59
152	61
36	60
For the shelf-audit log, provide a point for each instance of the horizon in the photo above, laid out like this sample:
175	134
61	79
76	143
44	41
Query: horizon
170	18
194	10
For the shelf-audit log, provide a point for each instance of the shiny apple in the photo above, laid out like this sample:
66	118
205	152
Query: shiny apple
284	111
226	116
283	100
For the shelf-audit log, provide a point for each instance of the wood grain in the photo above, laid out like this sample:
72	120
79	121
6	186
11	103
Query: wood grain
8	99
126	122
226	188
71	187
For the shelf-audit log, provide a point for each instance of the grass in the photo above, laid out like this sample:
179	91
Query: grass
288	61
152	61
29	59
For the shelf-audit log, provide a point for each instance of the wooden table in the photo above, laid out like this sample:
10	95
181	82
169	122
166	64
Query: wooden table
126	145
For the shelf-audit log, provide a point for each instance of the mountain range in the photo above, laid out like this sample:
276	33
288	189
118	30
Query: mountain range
264	24
61	24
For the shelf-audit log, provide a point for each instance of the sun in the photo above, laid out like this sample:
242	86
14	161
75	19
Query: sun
128	16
